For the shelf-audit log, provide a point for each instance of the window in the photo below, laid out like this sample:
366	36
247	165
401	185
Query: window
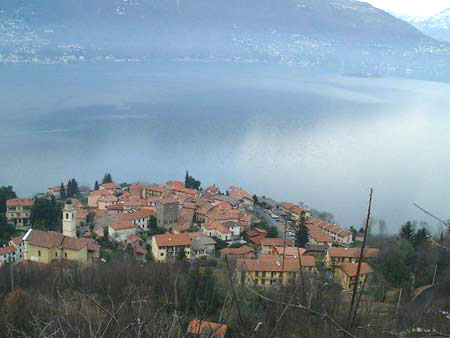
39	253
65	254
162	253
56	254
67	216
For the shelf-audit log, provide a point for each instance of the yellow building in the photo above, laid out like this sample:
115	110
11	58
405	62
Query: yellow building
336	256
345	274
270	270
49	246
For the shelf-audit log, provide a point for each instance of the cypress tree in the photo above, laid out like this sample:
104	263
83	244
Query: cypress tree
107	178
62	194
69	191
96	186
302	235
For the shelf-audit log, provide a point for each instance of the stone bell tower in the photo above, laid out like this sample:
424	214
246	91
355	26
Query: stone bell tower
69	221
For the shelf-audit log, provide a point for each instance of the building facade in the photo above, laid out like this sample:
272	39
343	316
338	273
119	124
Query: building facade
18	212
167	213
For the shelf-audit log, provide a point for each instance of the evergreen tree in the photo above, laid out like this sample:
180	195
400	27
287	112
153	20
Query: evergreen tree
69	191
302	235
421	237
96	186
408	232
255	199
62	194
191	183
107	178
272	232
76	189
6	193
46	214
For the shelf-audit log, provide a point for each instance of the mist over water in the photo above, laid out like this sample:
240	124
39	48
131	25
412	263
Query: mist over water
274	130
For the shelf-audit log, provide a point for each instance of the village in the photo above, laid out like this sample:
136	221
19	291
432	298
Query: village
263	244
168	222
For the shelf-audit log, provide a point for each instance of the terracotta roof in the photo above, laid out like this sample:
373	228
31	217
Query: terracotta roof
217	227
74	243
181	228
16	240
115	207
212	190
333	228
155	188
101	193
134	238
243	250
353	252
7	249
255	232
318	234
287	205
167	200
122	225
15	202
290	265
198	327
307	261
81	214
141	251
350	269
109	186
297	210
52	239
276	242
184	190
45	239
172	240
238	193
288	251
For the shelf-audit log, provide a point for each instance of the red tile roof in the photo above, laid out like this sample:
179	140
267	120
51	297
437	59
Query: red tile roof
276	242
217	227
198	327
7	249
141	251
288	251
17	240
109	186
353	252
122	225
318	234
290	265
307	261
16	202
350	269
243	250
52	239
165	240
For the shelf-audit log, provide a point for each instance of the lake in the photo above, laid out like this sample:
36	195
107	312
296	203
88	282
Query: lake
272	129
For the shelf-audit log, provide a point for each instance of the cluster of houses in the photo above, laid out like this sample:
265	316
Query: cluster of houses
194	222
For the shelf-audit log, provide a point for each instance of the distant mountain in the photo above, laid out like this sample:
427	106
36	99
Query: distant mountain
338	35
436	26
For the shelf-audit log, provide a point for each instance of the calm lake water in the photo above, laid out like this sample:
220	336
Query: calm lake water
274	130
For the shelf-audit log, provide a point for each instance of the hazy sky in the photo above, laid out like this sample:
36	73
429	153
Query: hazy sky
412	7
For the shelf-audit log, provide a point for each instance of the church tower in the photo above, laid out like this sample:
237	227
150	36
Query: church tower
69	221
